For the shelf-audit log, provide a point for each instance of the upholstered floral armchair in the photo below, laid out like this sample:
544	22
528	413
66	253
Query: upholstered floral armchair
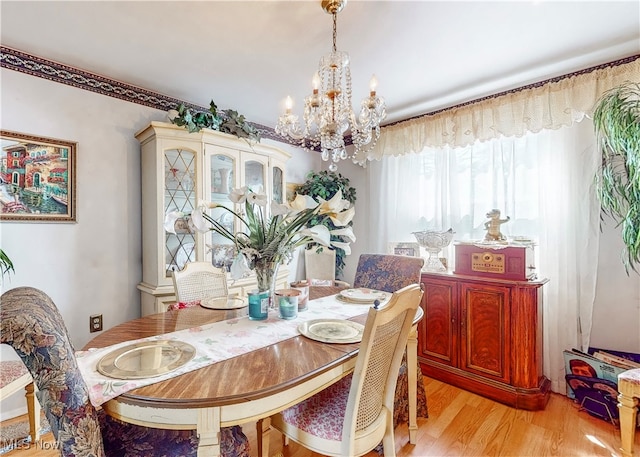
33	326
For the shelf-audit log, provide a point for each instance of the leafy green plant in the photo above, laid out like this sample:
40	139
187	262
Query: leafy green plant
6	266
324	185
227	122
616	119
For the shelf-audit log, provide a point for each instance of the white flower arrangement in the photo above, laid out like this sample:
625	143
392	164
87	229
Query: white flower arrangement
269	238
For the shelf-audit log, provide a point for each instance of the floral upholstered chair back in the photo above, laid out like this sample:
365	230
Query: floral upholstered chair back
32	325
387	272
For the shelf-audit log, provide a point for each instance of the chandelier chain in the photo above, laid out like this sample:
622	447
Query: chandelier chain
335	31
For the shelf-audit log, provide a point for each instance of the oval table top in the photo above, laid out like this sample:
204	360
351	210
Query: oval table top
250	376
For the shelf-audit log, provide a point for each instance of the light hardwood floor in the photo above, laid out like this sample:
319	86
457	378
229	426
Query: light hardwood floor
464	424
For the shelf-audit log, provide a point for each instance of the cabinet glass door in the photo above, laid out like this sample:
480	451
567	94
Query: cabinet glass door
222	182
278	185
254	176
179	195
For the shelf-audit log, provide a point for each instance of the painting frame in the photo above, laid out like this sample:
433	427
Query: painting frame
37	178
409	249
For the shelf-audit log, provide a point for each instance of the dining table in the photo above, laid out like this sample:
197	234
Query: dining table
246	388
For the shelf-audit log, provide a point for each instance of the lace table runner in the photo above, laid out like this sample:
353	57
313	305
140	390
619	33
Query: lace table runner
214	343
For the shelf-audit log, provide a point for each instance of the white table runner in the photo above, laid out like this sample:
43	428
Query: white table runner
214	343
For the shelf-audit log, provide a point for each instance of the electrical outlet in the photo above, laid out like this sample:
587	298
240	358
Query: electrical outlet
95	323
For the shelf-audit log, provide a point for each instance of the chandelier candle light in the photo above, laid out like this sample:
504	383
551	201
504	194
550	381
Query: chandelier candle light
328	114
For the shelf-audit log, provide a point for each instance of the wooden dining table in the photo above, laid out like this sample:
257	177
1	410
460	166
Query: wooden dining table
247	388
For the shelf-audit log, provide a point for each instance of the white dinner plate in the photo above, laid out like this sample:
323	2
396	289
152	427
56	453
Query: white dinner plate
363	295
146	359
332	330
231	302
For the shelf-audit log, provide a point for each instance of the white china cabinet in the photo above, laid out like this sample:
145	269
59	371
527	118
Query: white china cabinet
178	170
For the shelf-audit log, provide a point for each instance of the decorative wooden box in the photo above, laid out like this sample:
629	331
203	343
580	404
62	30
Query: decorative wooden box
499	261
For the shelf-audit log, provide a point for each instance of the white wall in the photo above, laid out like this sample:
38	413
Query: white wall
616	311
92	266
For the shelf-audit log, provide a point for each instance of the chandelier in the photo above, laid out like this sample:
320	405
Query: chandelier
328	116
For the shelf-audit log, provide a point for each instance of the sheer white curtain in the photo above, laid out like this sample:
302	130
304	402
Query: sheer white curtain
542	181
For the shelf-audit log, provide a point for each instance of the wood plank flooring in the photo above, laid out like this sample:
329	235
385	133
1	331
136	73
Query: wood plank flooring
464	424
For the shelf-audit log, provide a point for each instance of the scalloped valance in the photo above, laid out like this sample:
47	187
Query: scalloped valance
551	105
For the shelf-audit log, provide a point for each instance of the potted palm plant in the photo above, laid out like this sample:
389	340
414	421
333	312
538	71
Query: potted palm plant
6	266
616	120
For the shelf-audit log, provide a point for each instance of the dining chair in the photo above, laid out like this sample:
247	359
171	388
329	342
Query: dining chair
352	416
31	323
389	273
328	283
13	377
199	281
320	265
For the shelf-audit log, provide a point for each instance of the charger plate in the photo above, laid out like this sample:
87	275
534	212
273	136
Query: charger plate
230	302
362	295
146	359
332	330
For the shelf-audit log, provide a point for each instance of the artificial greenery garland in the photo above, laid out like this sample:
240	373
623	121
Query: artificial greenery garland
231	122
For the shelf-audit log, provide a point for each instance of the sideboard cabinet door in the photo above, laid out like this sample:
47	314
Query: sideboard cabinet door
484	331
438	329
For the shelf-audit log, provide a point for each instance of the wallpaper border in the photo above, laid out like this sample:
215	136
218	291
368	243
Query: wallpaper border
13	59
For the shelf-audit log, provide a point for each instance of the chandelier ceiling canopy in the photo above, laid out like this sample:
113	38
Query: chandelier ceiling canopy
328	115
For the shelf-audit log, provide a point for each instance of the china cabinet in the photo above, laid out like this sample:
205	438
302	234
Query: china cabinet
178	170
484	335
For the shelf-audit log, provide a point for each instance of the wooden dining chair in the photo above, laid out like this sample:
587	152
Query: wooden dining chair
352	416
390	272
33	326
320	265
199	281
13	377
320	268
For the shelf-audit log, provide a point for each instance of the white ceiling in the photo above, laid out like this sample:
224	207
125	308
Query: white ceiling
249	55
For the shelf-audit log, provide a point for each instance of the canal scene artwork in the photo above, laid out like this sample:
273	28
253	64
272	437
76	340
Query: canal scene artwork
37	178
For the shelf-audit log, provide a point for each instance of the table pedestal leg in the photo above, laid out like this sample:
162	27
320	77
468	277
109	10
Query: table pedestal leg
209	432
412	378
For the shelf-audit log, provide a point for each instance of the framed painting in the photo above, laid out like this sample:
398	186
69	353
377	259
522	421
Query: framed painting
408	249
37	178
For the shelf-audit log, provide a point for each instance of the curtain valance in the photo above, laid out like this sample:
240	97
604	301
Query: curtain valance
548	106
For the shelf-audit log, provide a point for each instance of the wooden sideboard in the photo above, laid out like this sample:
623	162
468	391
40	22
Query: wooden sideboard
484	335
